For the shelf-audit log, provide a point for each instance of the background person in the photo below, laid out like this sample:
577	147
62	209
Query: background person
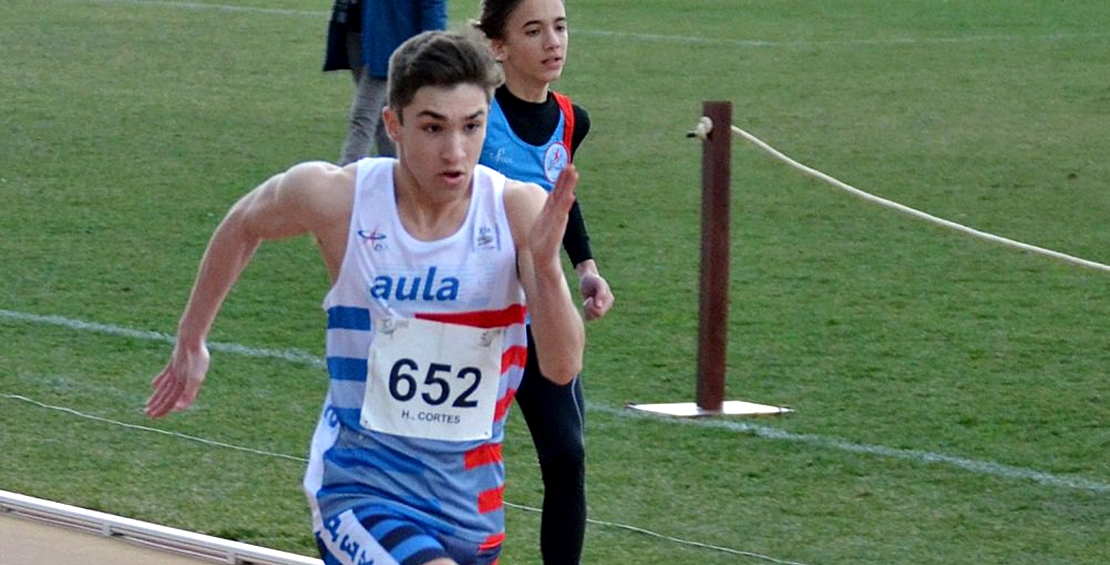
533	133
362	34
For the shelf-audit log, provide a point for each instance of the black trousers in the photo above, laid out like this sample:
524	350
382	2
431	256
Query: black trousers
555	415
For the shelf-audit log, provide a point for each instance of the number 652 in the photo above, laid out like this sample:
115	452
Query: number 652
436	387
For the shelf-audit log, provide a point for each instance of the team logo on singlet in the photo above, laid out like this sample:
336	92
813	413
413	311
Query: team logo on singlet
375	238
555	160
497	158
485	239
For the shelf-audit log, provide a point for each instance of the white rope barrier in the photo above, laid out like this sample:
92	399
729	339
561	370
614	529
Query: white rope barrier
705	126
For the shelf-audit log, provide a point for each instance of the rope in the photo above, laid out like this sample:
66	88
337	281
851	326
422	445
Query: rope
702	132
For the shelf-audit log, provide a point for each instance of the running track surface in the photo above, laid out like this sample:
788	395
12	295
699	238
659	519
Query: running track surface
25	541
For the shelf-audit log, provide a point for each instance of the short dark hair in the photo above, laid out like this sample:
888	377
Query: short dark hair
443	59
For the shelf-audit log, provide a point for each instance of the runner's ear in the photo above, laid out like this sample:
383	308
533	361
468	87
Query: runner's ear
392	123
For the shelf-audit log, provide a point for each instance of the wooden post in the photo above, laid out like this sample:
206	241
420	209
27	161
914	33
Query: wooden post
716	170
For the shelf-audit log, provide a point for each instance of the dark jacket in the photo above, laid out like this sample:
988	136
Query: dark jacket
384	25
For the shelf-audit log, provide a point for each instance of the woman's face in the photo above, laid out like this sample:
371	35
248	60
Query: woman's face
534	47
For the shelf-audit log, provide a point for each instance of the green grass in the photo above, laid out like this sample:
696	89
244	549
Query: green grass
932	374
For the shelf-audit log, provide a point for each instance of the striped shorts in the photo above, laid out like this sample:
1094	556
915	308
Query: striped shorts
380	538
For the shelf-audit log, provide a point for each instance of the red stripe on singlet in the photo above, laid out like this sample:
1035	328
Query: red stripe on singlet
568	122
487	454
492	542
502	407
515	356
485	319
490	500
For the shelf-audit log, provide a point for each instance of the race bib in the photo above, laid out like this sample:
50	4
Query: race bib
432	380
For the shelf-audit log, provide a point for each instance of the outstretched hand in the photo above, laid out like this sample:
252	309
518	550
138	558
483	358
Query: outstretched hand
176	387
546	237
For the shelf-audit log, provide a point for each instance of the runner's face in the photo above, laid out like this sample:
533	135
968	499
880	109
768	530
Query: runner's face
440	138
535	45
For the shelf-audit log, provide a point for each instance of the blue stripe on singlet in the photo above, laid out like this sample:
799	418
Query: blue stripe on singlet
411	508
347	368
378	459
348	318
348	414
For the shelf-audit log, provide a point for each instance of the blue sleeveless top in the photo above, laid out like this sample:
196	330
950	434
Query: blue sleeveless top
519	160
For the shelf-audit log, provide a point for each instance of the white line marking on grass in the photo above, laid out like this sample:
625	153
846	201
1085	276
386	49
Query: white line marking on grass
197	439
251	450
972	465
759	43
766	432
291	355
217	7
663	38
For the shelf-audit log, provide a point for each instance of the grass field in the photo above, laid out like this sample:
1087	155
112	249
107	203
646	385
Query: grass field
951	395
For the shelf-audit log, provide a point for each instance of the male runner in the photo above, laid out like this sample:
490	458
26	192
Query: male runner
432	259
